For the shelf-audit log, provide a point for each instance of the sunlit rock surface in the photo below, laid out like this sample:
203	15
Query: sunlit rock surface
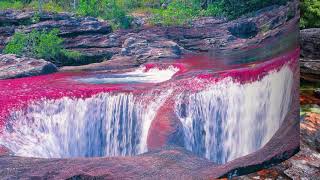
12	66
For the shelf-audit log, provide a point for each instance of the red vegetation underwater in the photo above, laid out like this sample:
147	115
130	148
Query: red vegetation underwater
182	81
18	93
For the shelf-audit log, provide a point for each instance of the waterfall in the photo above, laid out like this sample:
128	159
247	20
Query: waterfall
224	121
103	125
230	119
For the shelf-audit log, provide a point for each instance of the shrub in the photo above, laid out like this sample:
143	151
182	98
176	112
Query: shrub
46	45
48	6
118	16
36	44
11	4
106	9
310	13
214	9
89	8
73	55
52	7
16	45
236	8
175	14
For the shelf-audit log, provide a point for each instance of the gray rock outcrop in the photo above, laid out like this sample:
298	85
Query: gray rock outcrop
12	66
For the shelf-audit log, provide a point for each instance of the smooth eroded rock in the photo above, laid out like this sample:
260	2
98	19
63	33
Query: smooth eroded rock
12	66
150	49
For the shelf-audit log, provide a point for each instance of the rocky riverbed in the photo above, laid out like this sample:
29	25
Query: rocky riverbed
105	50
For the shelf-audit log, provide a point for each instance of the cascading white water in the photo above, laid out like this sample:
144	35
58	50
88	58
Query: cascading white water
103	125
229	119
225	121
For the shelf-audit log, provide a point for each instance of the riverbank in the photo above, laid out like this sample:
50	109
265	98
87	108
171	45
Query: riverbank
96	42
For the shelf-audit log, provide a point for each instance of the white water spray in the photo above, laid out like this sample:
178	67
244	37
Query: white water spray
230	120
225	121
103	125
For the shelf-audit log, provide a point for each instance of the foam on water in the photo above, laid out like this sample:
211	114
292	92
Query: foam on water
140	75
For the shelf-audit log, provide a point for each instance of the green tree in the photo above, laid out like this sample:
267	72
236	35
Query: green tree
310	13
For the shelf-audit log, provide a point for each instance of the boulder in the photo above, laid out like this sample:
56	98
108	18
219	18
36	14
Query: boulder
310	43
12	66
310	69
144	49
139	20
